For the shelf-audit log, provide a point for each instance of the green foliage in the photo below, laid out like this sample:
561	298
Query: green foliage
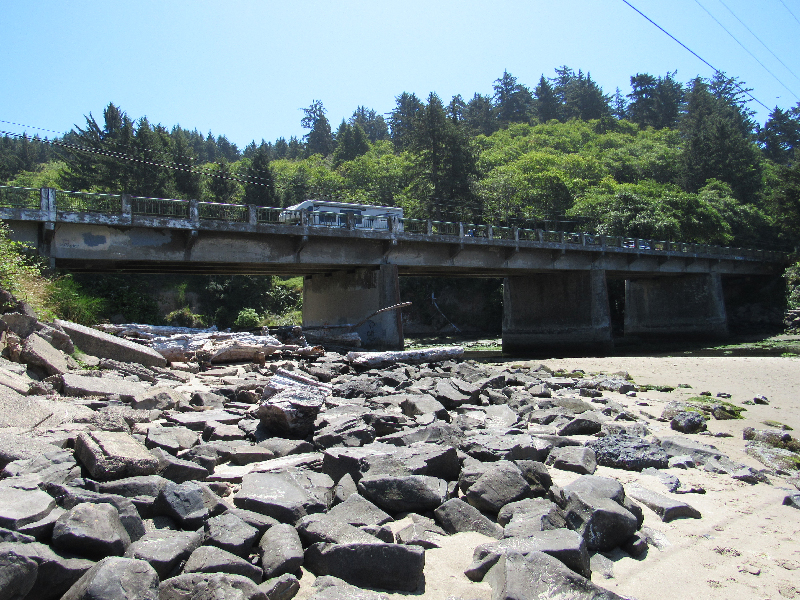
128	296
792	277
68	300
17	270
247	318
184	317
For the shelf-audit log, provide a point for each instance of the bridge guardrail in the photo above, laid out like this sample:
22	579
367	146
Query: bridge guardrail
88	202
47	199
159	207
20	197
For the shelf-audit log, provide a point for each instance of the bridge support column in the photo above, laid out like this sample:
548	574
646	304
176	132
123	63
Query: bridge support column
686	305
347	297
561	312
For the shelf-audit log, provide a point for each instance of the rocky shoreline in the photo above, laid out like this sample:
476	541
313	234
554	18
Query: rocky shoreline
313	474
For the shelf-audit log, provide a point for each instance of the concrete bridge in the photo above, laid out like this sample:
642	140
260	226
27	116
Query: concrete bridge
555	283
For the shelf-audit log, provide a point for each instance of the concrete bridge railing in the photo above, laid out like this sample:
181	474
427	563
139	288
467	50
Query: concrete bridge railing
51	205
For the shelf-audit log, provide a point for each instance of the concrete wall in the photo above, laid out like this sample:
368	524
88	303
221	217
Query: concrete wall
565	311
347	297
686	305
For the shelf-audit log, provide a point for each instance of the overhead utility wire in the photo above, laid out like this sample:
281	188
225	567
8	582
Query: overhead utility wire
790	11
700	58
744	48
173	166
759	39
188	168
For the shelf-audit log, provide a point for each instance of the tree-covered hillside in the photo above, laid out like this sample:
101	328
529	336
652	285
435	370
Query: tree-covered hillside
669	160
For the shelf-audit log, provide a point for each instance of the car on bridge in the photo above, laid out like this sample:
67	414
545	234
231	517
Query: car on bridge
327	213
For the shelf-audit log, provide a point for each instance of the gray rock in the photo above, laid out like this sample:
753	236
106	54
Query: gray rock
414	405
74	385
385	566
179	470
594	485
682	446
57	466
17	574
171	439
345	488
490	447
285	447
378	458
586	424
283	587
324	528
666	508
792	500
539	575
602	522
246	455
628	452
281	550
456	515
681	461
565	545
198	421
104	345
292	411
409	493
20	506
501	483
601	564
55	574
688	422
420	534
208	586
129	515
164	550
38	352
183	502
158	398
358	511
333	588
232	534
92	530
578	459
279	495
345	431
210	559
130	487
111	455
115	578
527	517
254	519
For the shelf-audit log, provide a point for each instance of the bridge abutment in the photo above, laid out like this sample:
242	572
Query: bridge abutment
347	297
563	312
679	306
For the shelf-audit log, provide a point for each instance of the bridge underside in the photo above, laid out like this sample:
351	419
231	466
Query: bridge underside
555	297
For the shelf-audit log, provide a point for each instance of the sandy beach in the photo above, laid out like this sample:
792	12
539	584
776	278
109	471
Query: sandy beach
745	546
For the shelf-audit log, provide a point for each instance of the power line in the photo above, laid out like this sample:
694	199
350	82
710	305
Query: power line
743	46
696	55
790	11
174	166
759	39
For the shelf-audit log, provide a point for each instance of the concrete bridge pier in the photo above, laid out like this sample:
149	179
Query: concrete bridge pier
680	306
564	312
347	297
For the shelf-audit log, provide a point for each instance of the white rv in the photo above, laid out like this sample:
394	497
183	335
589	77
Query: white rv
326	213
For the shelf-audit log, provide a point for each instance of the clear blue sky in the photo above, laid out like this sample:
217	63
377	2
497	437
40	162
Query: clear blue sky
246	68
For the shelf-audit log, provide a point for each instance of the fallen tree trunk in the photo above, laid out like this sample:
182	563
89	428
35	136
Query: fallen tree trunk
382	359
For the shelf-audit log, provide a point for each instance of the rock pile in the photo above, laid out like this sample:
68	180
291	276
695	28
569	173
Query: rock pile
128	480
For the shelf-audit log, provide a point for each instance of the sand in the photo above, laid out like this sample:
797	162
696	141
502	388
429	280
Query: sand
745	546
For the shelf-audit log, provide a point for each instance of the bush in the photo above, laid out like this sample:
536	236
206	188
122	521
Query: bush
69	301
247	319
184	317
792	276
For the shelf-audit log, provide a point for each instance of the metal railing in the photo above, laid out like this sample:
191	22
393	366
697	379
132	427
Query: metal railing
20	197
13	197
234	213
88	202
159	207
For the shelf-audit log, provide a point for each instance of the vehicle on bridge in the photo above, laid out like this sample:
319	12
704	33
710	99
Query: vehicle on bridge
327	213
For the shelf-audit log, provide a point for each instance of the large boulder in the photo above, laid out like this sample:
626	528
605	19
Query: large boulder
56	573
628	452
501	483
104	345
115	578
456	516
92	530
285	496
207	586
379	565
114	455
164	549
409	493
